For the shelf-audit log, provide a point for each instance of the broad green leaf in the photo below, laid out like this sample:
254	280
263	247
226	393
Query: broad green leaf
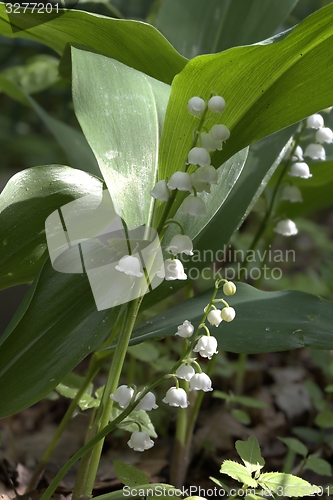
295	445
262	88
121	112
129	475
146	352
324	419
37	74
199	27
140	416
29	197
243	400
72	141
238	472
133	43
318	465
56	326
287	485
265	321
307	434
249	451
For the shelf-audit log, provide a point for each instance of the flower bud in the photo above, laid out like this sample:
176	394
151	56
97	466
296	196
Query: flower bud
140	441
130	265
185	330
200	382
181	181
324	134
286	228
206	346
300	169
220	133
292	194
315	152
199	156
123	396
180	243
147	403
206	175
229	288
193	206
216	104
160	191
315	121
172	269
214	317
196	106
228	314
176	397
185	372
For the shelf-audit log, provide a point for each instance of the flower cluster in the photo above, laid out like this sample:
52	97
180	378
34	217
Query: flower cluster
204	175
205	346
299	168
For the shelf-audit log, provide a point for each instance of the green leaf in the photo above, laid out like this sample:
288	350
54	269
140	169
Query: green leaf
318	465
121	112
329	388
262	88
129	475
265	321
243	400
140	416
146	352
28	198
56	326
197	27
220	484
238	472
241	416
69	388
295	445
249	451
310	435
324	419
133	43
287	485
37	74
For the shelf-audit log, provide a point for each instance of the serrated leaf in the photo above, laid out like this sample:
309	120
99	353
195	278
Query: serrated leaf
287	485
121	113
295	445
140	416
220	484
318	465
249	452
130	475
238	472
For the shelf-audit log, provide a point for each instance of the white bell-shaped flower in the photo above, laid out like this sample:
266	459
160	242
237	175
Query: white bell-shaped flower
206	346
216	104
160	191
181	181
315	121
185	330
140	441
180	243
176	397
123	396
185	372
214	317
196	106
130	265
147	403
200	382
206	175
300	169
172	269
292	194
324	134
229	288
199	156
228	314
298	154
192	205
315	152
286	227
200	187
208	142
220	133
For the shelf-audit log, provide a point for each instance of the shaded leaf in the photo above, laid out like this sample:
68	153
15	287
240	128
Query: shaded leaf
295	445
130	475
250	453
318	465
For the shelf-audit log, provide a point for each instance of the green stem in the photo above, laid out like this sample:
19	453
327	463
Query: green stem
241	369
88	469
